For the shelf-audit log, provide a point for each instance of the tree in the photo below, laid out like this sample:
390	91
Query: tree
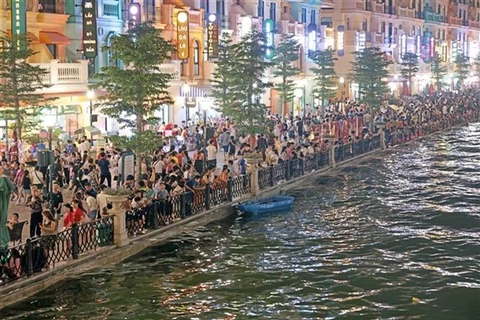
439	71
224	75
462	68
21	83
325	76
370	71
409	67
245	72
136	92
286	53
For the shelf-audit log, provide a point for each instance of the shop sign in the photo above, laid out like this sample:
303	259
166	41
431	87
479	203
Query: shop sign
19	21
90	45
183	41
268	30
190	102
212	36
340	41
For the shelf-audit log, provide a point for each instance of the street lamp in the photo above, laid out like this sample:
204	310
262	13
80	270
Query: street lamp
90	96
299	94
186	95
342	91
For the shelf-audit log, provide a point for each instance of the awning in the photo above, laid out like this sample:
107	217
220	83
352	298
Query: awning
50	37
93	131
31	37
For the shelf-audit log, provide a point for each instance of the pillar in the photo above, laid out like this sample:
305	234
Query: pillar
331	157
120	236
254	187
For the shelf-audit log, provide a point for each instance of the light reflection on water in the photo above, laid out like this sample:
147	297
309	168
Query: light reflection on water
397	236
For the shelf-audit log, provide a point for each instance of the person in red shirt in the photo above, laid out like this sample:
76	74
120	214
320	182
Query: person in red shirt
74	215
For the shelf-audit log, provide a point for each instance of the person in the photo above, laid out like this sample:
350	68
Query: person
26	186
49	230
56	200
90	190
37	178
75	214
104	166
211	154
102	199
92	205
224	142
12	221
36	209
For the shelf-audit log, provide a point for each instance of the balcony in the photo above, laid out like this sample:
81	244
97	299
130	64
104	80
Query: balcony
378	8
293	28
455	20
64	73
406	12
474	24
431	17
174	68
45	6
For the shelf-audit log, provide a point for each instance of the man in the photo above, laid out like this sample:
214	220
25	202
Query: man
37	178
102	199
224	142
211	154
89	190
56	200
193	183
104	166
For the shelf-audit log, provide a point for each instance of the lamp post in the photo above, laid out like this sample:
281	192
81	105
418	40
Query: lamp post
90	96
341	80
186	94
299	94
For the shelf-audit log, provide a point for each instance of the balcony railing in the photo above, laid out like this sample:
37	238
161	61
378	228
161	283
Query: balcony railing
64	73
45	6
288	27
173	67
474	24
455	20
433	17
406	12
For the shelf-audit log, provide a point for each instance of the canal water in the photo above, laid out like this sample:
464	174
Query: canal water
396	236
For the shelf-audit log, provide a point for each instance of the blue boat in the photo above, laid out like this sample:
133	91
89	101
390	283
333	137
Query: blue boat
277	203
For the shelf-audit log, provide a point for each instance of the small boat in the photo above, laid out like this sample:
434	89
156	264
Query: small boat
277	203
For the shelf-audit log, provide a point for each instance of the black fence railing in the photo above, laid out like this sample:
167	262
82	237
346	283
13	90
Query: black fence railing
162	212
43	253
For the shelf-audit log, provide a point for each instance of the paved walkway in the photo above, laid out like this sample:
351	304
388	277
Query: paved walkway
24	211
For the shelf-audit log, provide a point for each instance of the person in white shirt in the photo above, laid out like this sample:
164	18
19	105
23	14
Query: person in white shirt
211	155
159	165
37	178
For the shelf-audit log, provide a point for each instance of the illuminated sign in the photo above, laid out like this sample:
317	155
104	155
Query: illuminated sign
454	51
246	26
212	36
360	41
403	46
431	47
418	45
340	41
90	47
134	14
183	40
19	20
268	29
312	39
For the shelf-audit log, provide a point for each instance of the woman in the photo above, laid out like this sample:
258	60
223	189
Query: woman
49	231
199	160
36	209
76	214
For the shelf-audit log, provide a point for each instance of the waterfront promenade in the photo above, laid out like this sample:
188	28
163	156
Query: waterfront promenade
88	251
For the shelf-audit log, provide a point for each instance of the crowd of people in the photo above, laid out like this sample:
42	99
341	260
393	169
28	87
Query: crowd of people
81	175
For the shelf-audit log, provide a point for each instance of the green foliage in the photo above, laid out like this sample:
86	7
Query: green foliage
21	101
244	75
223	75
285	55
409	67
136	92
370	71
462	68
439	71
325	75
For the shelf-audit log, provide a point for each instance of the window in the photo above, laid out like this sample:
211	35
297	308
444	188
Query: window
184	65
414	5
364	25
439	9
196	59
149	10
347	22
261	8
303	18
47	6
273	11
237	2
313	17
53	50
109	53
413	30
383	27
443	35
284	9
